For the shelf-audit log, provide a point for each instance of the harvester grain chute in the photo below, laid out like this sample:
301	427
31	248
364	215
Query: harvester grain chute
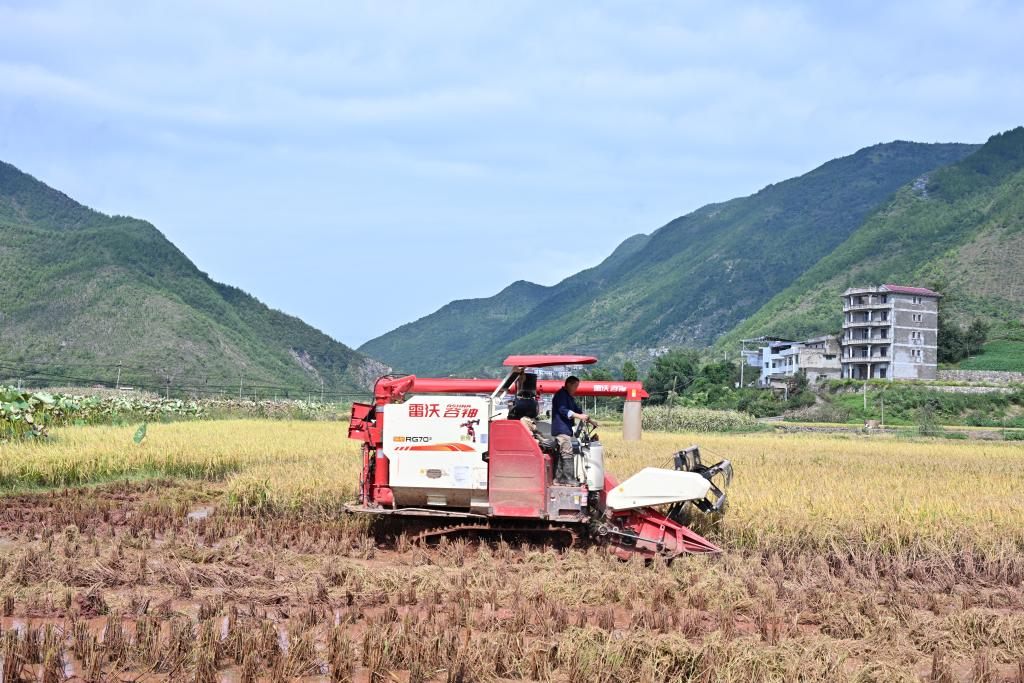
455	456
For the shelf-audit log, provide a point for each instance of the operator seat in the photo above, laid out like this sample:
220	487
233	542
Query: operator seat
525	404
526	409
523	407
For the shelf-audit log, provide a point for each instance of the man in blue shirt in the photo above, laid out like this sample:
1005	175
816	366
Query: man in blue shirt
564	413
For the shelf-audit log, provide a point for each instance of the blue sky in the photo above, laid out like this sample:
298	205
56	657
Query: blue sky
361	164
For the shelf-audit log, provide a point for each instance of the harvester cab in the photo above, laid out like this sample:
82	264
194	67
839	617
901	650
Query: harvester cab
470	456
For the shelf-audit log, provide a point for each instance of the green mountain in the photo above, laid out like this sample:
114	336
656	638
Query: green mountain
687	283
959	230
84	292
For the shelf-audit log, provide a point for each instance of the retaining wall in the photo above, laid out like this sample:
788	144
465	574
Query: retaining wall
986	376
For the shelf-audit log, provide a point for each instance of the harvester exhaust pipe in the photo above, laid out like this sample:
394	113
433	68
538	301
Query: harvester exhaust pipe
632	425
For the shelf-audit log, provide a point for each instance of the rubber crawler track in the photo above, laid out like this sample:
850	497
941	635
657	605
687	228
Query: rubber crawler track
542	533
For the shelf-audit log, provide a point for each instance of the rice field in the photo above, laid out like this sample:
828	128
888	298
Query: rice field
215	551
792	491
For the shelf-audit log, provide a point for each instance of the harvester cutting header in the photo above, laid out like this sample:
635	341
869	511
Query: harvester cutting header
470	455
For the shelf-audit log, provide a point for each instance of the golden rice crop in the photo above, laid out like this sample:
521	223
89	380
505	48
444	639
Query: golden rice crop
799	490
792	491
200	450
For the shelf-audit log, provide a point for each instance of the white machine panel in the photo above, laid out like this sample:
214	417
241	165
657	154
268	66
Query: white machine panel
435	446
652	486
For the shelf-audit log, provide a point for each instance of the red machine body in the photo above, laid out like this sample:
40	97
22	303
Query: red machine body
518	474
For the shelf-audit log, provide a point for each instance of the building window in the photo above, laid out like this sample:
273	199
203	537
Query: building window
884	299
917	299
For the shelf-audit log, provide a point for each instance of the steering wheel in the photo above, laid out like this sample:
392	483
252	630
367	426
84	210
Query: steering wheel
585	429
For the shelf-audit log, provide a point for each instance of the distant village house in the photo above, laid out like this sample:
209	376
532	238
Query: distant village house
889	332
780	359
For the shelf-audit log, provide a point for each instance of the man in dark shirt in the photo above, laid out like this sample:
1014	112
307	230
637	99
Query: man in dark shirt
564	413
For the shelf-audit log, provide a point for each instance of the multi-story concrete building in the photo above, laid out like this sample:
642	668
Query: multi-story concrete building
779	359
890	332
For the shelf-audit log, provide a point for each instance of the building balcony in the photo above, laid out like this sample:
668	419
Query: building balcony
866	323
867	307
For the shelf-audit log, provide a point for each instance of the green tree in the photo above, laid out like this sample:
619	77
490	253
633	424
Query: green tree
798	382
598	374
976	336
722	373
629	373
672	371
956	343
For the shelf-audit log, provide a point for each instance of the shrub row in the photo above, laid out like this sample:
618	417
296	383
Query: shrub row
30	414
673	419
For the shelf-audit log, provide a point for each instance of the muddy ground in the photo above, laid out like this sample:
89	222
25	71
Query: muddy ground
163	581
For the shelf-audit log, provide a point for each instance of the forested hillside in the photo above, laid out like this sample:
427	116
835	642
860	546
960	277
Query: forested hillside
685	284
959	229
84	292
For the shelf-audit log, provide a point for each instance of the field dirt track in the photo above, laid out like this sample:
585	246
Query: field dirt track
164	581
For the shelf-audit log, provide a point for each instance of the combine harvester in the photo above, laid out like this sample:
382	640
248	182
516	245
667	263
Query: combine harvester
455	455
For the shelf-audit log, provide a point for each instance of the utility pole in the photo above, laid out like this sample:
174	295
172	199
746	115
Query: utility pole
117	383
239	387
321	389
743	361
883	410
671	398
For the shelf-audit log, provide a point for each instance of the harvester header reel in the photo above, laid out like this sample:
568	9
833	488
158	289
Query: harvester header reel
688	460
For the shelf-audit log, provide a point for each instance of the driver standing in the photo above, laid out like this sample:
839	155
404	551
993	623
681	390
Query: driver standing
564	412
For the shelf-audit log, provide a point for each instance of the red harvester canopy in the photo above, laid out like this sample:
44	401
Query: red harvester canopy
546	361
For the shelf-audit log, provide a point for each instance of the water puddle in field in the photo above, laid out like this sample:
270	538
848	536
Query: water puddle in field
201	512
